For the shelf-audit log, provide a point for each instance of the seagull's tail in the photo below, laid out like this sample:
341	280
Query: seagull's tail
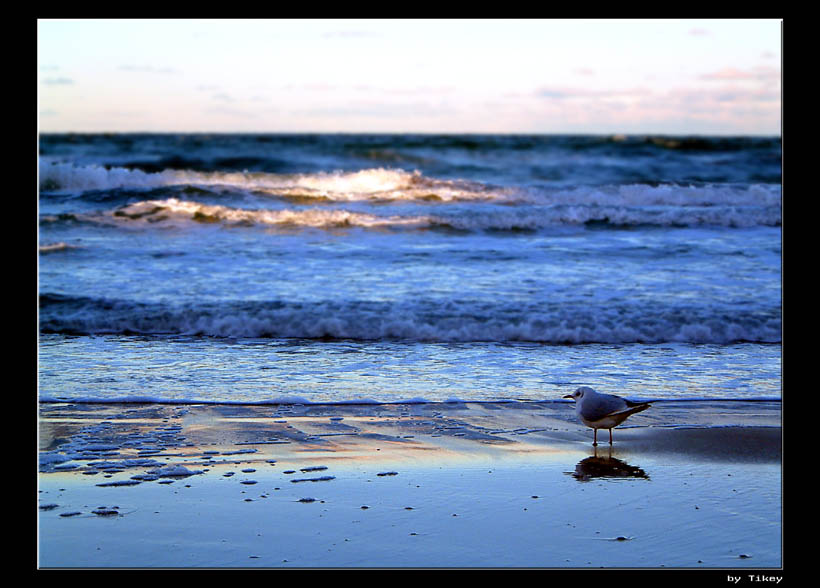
633	407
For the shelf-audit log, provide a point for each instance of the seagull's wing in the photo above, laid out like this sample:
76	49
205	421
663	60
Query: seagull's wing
600	405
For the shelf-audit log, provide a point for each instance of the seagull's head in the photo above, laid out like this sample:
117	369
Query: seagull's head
579	393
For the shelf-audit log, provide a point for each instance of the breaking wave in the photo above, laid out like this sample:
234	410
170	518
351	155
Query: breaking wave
420	320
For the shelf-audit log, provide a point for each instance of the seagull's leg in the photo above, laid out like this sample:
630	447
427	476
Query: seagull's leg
595	438
610	436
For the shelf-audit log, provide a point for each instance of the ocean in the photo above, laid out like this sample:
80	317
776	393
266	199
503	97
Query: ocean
341	268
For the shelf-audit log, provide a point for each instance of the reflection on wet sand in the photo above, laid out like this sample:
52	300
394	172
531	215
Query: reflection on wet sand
599	466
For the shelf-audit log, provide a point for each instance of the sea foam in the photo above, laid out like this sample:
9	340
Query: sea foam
398	184
413	320
376	183
520	208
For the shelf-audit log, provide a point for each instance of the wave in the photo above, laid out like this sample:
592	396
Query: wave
45	398
369	184
541	217
55	247
186	212
173	209
234	198
398	184
417	320
501	159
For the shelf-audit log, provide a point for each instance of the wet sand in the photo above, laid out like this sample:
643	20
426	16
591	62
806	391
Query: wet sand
451	485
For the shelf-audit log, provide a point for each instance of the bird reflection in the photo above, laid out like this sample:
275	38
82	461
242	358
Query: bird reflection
597	466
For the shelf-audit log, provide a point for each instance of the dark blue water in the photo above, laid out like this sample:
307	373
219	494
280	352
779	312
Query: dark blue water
391	267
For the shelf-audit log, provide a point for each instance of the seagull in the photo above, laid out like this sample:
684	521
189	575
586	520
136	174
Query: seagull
603	411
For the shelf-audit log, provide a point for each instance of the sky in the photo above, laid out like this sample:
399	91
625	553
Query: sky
704	77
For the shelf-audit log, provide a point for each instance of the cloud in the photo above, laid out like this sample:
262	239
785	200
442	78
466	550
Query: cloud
725	107
125	113
734	106
380	109
697	32
57	81
557	93
762	73
148	69
349	34
319	87
419	90
232	112
726	97
573	93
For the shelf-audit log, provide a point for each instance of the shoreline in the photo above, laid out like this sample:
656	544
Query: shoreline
407	485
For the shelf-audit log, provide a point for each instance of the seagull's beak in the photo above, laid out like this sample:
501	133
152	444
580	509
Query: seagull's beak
568	396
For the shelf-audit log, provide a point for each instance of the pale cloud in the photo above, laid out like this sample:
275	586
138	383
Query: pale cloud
125	113
420	90
722	108
730	73
379	112
58	81
697	32
564	93
573	93
319	87
148	69
349	34
724	96
737	94
232	112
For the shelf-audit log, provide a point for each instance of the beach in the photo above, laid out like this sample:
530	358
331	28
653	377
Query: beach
408	485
